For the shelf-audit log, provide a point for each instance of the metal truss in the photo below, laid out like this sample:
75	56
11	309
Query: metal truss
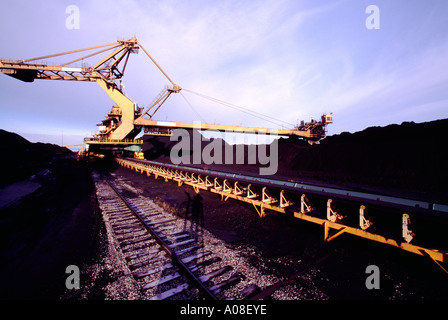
265	197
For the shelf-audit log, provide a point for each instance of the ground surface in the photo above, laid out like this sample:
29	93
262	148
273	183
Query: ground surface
285	246
406	159
47	230
53	222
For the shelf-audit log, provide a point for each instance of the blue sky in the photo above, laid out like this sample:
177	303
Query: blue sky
292	60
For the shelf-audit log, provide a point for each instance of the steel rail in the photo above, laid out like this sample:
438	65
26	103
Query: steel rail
171	253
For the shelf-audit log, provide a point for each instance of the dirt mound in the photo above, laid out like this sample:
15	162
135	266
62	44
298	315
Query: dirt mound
23	158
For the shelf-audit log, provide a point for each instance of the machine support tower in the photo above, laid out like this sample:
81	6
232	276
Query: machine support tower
126	119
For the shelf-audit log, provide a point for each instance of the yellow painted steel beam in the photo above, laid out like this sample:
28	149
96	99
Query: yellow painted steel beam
112	141
127	110
218	127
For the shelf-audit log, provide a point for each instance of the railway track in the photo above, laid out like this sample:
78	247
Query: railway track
169	259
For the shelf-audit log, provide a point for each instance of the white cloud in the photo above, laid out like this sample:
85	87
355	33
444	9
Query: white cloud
247	53
286	59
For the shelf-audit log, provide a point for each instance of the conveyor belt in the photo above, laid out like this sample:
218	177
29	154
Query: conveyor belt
293	198
369	198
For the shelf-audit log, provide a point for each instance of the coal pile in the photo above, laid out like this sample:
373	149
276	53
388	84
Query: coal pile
48	219
21	158
407	157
